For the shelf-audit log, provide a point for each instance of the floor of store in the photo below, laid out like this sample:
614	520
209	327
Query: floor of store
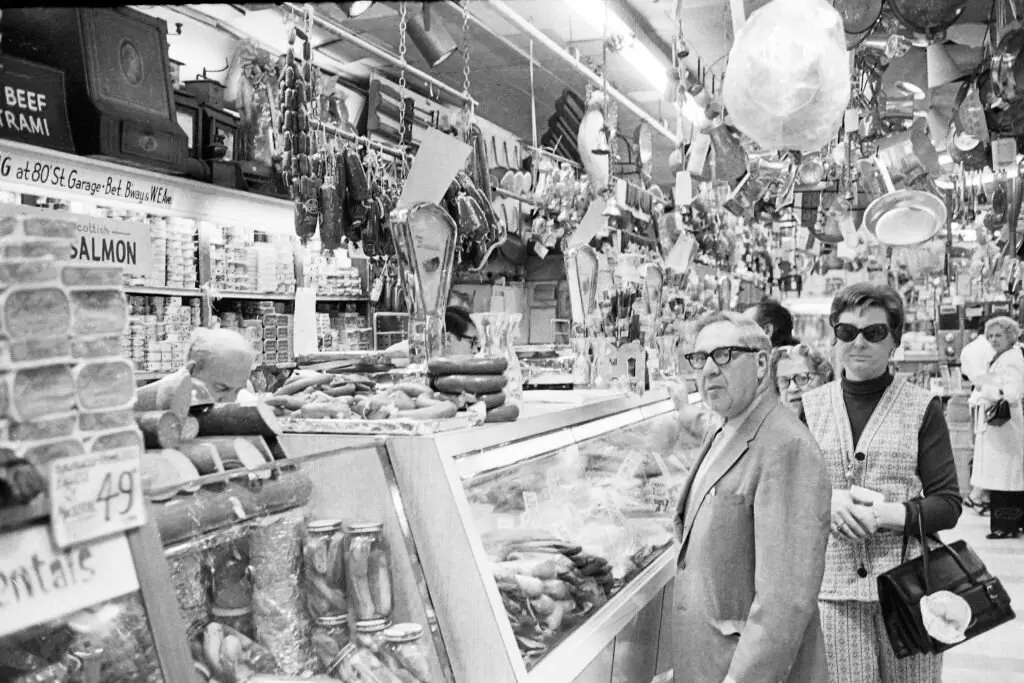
997	656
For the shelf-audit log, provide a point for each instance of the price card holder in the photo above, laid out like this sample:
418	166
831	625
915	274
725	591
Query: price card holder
95	495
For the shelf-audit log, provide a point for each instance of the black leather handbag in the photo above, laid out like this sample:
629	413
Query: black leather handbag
954	568
998	413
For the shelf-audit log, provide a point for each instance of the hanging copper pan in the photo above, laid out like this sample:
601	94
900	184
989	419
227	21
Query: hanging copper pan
853	40
928	16
858	15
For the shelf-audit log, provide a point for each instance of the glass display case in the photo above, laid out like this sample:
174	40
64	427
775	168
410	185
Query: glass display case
299	568
545	543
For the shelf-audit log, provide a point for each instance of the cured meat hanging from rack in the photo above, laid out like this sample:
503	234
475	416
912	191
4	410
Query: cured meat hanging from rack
300	159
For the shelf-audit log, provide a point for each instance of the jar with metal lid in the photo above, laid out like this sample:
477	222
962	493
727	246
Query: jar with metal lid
358	665
370	634
323	568
239	619
329	637
405	645
368	571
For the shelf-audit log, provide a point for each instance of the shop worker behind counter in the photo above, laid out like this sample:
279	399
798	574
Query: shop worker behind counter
221	360
753	521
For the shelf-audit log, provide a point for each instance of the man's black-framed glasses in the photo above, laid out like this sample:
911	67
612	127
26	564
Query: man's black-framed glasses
722	356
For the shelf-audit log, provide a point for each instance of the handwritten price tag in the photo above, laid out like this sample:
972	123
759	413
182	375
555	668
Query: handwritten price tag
95	495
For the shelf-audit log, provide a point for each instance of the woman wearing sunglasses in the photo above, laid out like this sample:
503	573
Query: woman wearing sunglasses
886	443
798	369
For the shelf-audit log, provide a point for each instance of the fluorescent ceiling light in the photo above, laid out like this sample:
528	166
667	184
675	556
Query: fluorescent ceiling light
652	67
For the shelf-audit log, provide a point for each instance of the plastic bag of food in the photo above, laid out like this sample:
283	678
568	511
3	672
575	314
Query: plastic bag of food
788	80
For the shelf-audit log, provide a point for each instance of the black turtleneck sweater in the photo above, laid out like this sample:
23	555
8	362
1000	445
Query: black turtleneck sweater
935	464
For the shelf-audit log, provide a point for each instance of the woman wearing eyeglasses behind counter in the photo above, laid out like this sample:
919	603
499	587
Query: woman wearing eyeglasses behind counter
886	443
796	370
461	336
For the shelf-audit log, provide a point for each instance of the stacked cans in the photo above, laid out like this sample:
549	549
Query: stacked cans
64	389
332	276
157	276
159	331
182	246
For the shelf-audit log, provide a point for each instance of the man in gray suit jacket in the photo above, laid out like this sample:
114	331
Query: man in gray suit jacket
753	521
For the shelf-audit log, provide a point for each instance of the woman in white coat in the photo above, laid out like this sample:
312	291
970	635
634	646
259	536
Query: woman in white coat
999	450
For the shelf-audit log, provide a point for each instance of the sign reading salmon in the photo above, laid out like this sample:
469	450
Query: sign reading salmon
100	240
121	243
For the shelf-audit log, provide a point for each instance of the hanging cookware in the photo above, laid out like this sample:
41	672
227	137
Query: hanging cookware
928	17
905	217
854	40
826	227
859	16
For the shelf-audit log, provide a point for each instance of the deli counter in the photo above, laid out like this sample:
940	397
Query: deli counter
545	544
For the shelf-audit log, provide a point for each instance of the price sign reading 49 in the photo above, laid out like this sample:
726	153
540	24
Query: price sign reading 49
95	495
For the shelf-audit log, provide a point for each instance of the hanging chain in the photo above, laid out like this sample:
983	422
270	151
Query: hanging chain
402	30
468	106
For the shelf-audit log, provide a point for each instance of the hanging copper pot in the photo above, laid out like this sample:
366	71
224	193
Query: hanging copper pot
858	15
928	16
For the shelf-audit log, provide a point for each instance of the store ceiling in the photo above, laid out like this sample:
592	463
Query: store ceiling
500	64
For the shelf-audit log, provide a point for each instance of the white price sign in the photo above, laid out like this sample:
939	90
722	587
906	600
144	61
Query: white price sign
95	495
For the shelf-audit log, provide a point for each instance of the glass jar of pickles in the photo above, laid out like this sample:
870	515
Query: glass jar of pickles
329	637
358	665
239	619
368	571
370	634
323	568
405	647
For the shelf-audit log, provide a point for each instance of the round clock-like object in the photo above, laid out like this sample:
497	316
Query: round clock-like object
132	67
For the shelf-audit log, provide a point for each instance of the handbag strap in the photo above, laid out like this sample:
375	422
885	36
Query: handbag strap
923	538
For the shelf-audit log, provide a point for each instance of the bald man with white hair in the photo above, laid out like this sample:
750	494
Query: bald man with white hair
221	360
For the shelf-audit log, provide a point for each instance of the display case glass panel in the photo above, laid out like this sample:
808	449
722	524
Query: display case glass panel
565	530
278	570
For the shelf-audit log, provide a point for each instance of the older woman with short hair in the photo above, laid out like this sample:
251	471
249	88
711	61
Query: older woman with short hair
999	449
891	463
797	369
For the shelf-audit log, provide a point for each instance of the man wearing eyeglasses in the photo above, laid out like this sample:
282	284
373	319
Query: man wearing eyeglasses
753	523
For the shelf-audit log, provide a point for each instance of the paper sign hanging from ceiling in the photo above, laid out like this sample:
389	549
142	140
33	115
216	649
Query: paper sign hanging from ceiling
437	160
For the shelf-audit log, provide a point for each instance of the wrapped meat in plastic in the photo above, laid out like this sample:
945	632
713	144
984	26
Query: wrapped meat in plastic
112	440
28	271
788	79
41	247
29	312
105	383
31	393
32	351
38	430
91	276
99	311
101	346
105	420
47	226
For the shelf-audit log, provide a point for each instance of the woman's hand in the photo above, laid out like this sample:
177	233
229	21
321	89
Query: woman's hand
851	519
